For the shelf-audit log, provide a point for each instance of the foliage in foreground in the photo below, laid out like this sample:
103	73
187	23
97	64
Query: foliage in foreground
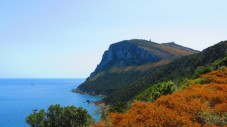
197	105
155	91
57	116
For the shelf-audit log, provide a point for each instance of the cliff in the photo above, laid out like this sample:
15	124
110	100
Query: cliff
126	61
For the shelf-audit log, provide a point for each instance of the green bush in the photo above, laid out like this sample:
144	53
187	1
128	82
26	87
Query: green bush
57	116
201	81
118	107
155	91
219	63
201	70
36	119
183	84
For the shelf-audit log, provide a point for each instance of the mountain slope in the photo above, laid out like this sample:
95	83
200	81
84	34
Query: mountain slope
126	61
198	105
175	71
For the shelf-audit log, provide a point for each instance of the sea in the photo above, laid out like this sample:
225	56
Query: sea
18	97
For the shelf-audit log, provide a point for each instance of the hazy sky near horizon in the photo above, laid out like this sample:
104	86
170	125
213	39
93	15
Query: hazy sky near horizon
66	38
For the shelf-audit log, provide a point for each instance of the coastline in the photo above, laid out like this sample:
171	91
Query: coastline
87	93
99	103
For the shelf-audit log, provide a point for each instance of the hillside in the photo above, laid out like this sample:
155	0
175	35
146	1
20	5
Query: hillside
199	105
176	71
127	61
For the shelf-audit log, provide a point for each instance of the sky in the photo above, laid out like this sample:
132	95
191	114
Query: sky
66	38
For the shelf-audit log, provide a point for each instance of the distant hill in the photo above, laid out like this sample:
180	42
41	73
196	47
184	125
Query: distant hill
175	71
127	61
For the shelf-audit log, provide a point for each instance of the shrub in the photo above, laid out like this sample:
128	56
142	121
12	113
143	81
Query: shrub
155	91
57	116
201	70
188	107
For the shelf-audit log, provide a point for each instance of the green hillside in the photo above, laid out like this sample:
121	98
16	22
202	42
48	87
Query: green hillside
127	61
176	71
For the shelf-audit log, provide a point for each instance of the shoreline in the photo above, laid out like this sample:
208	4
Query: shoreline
99	103
88	93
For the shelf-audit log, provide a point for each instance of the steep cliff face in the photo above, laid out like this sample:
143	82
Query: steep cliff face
124	54
138	52
126	61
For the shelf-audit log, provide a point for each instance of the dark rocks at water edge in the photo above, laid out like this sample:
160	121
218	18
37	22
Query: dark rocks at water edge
82	92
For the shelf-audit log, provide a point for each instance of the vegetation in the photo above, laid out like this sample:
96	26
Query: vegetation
201	70
118	107
190	91
197	105
155	91
111	81
187	67
57	116
163	88
127	61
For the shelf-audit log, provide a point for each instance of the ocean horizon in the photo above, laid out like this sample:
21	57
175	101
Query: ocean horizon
19	96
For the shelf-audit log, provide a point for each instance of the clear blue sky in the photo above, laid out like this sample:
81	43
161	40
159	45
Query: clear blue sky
66	38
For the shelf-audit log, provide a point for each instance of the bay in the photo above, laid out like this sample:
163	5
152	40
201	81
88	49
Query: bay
18	97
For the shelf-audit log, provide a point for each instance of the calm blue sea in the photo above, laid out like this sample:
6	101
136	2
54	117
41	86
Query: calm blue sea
18	97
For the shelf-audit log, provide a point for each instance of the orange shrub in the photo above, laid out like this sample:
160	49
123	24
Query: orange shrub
182	108
218	76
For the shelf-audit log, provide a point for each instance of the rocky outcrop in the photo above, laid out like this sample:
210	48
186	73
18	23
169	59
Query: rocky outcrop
120	63
138	52
124	54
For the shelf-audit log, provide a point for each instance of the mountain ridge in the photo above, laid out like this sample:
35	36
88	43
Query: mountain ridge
148	51
128	60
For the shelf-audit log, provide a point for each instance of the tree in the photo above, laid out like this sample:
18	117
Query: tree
53	114
74	117
57	116
37	119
